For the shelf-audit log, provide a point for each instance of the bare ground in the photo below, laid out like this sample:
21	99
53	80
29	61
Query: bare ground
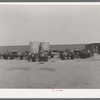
56	73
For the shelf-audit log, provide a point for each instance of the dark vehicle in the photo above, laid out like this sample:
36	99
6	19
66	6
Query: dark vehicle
5	55
72	55
62	55
51	54
43	56
85	53
21	56
13	54
77	53
26	53
31	57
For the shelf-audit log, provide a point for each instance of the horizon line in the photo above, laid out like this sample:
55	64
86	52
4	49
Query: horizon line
55	44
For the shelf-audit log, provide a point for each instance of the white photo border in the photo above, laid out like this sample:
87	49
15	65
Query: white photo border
50	93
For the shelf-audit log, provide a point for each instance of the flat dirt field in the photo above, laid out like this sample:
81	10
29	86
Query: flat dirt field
56	73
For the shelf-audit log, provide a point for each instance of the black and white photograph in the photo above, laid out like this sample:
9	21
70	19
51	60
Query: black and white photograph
49	46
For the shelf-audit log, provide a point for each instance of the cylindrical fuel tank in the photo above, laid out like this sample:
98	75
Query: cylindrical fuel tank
34	47
44	46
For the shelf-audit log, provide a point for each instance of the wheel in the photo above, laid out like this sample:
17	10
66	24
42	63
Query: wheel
33	59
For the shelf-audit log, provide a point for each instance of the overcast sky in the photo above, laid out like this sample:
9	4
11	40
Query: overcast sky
57	24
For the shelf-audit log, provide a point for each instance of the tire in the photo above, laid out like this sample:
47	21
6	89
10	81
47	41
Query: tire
52	56
33	59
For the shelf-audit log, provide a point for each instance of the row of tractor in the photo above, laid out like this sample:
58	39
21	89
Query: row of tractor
30	56
67	54
45	55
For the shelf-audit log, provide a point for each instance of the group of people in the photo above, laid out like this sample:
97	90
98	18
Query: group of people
67	54
30	56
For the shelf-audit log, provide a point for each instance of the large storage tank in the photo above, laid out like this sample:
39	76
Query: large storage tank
44	46
34	47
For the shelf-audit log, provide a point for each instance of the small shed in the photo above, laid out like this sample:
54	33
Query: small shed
94	47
